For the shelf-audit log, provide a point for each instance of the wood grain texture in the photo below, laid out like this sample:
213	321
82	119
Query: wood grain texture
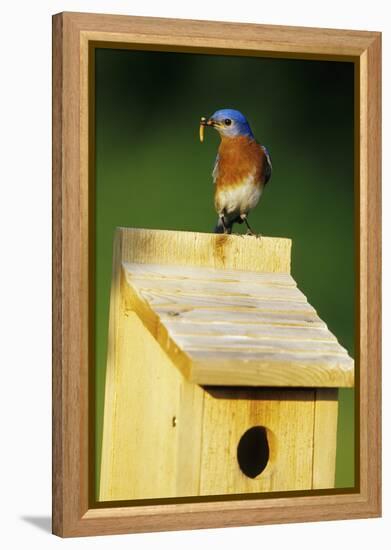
57	277
185	248
369	410
73	514
169	275
144	453
325	438
228	299
140	448
247	38
289	419
70	327
189	424
250	330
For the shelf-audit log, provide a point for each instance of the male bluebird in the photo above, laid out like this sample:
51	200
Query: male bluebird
242	168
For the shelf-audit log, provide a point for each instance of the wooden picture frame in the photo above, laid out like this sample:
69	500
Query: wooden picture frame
75	513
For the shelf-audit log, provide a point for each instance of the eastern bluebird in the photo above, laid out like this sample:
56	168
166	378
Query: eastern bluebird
242	168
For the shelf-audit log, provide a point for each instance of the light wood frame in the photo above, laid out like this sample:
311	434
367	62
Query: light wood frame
74	510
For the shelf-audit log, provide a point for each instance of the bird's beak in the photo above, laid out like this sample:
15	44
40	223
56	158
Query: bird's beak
207	121
214	123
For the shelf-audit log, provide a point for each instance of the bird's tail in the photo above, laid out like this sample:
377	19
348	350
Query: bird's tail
220	226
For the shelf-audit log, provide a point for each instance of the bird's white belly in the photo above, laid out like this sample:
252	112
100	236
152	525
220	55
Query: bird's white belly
238	199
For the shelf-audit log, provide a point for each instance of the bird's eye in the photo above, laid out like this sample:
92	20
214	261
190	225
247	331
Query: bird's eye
227	122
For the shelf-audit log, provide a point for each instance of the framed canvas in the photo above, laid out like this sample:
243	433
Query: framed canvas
194	384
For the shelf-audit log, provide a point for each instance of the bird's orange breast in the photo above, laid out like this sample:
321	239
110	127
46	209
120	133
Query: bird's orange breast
238	158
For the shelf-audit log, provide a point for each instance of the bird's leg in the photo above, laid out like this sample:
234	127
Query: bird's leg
249	230
223	223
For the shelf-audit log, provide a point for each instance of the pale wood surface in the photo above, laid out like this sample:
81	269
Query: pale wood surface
169	276
227	416
163	434
189	425
71	460
143	454
139	457
58	435
185	248
72	512
369	267
275	354
325	437
165	437
222	36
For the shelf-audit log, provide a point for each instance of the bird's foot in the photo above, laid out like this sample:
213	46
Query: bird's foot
252	234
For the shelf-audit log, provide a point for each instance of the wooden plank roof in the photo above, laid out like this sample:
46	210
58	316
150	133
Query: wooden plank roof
232	327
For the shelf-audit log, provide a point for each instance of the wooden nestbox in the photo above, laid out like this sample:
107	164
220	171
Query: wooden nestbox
221	378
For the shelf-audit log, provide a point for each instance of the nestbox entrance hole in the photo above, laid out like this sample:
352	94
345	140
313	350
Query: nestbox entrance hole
253	452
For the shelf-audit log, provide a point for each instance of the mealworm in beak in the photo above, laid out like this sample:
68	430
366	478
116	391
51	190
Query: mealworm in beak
202	128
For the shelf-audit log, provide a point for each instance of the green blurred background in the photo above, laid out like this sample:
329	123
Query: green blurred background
152	172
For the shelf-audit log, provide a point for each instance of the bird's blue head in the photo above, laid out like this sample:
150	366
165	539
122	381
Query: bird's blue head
230	123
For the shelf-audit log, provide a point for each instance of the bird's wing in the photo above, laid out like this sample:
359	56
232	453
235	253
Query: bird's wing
215	172
268	168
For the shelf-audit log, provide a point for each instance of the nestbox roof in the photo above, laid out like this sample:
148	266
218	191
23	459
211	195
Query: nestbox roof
236	327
